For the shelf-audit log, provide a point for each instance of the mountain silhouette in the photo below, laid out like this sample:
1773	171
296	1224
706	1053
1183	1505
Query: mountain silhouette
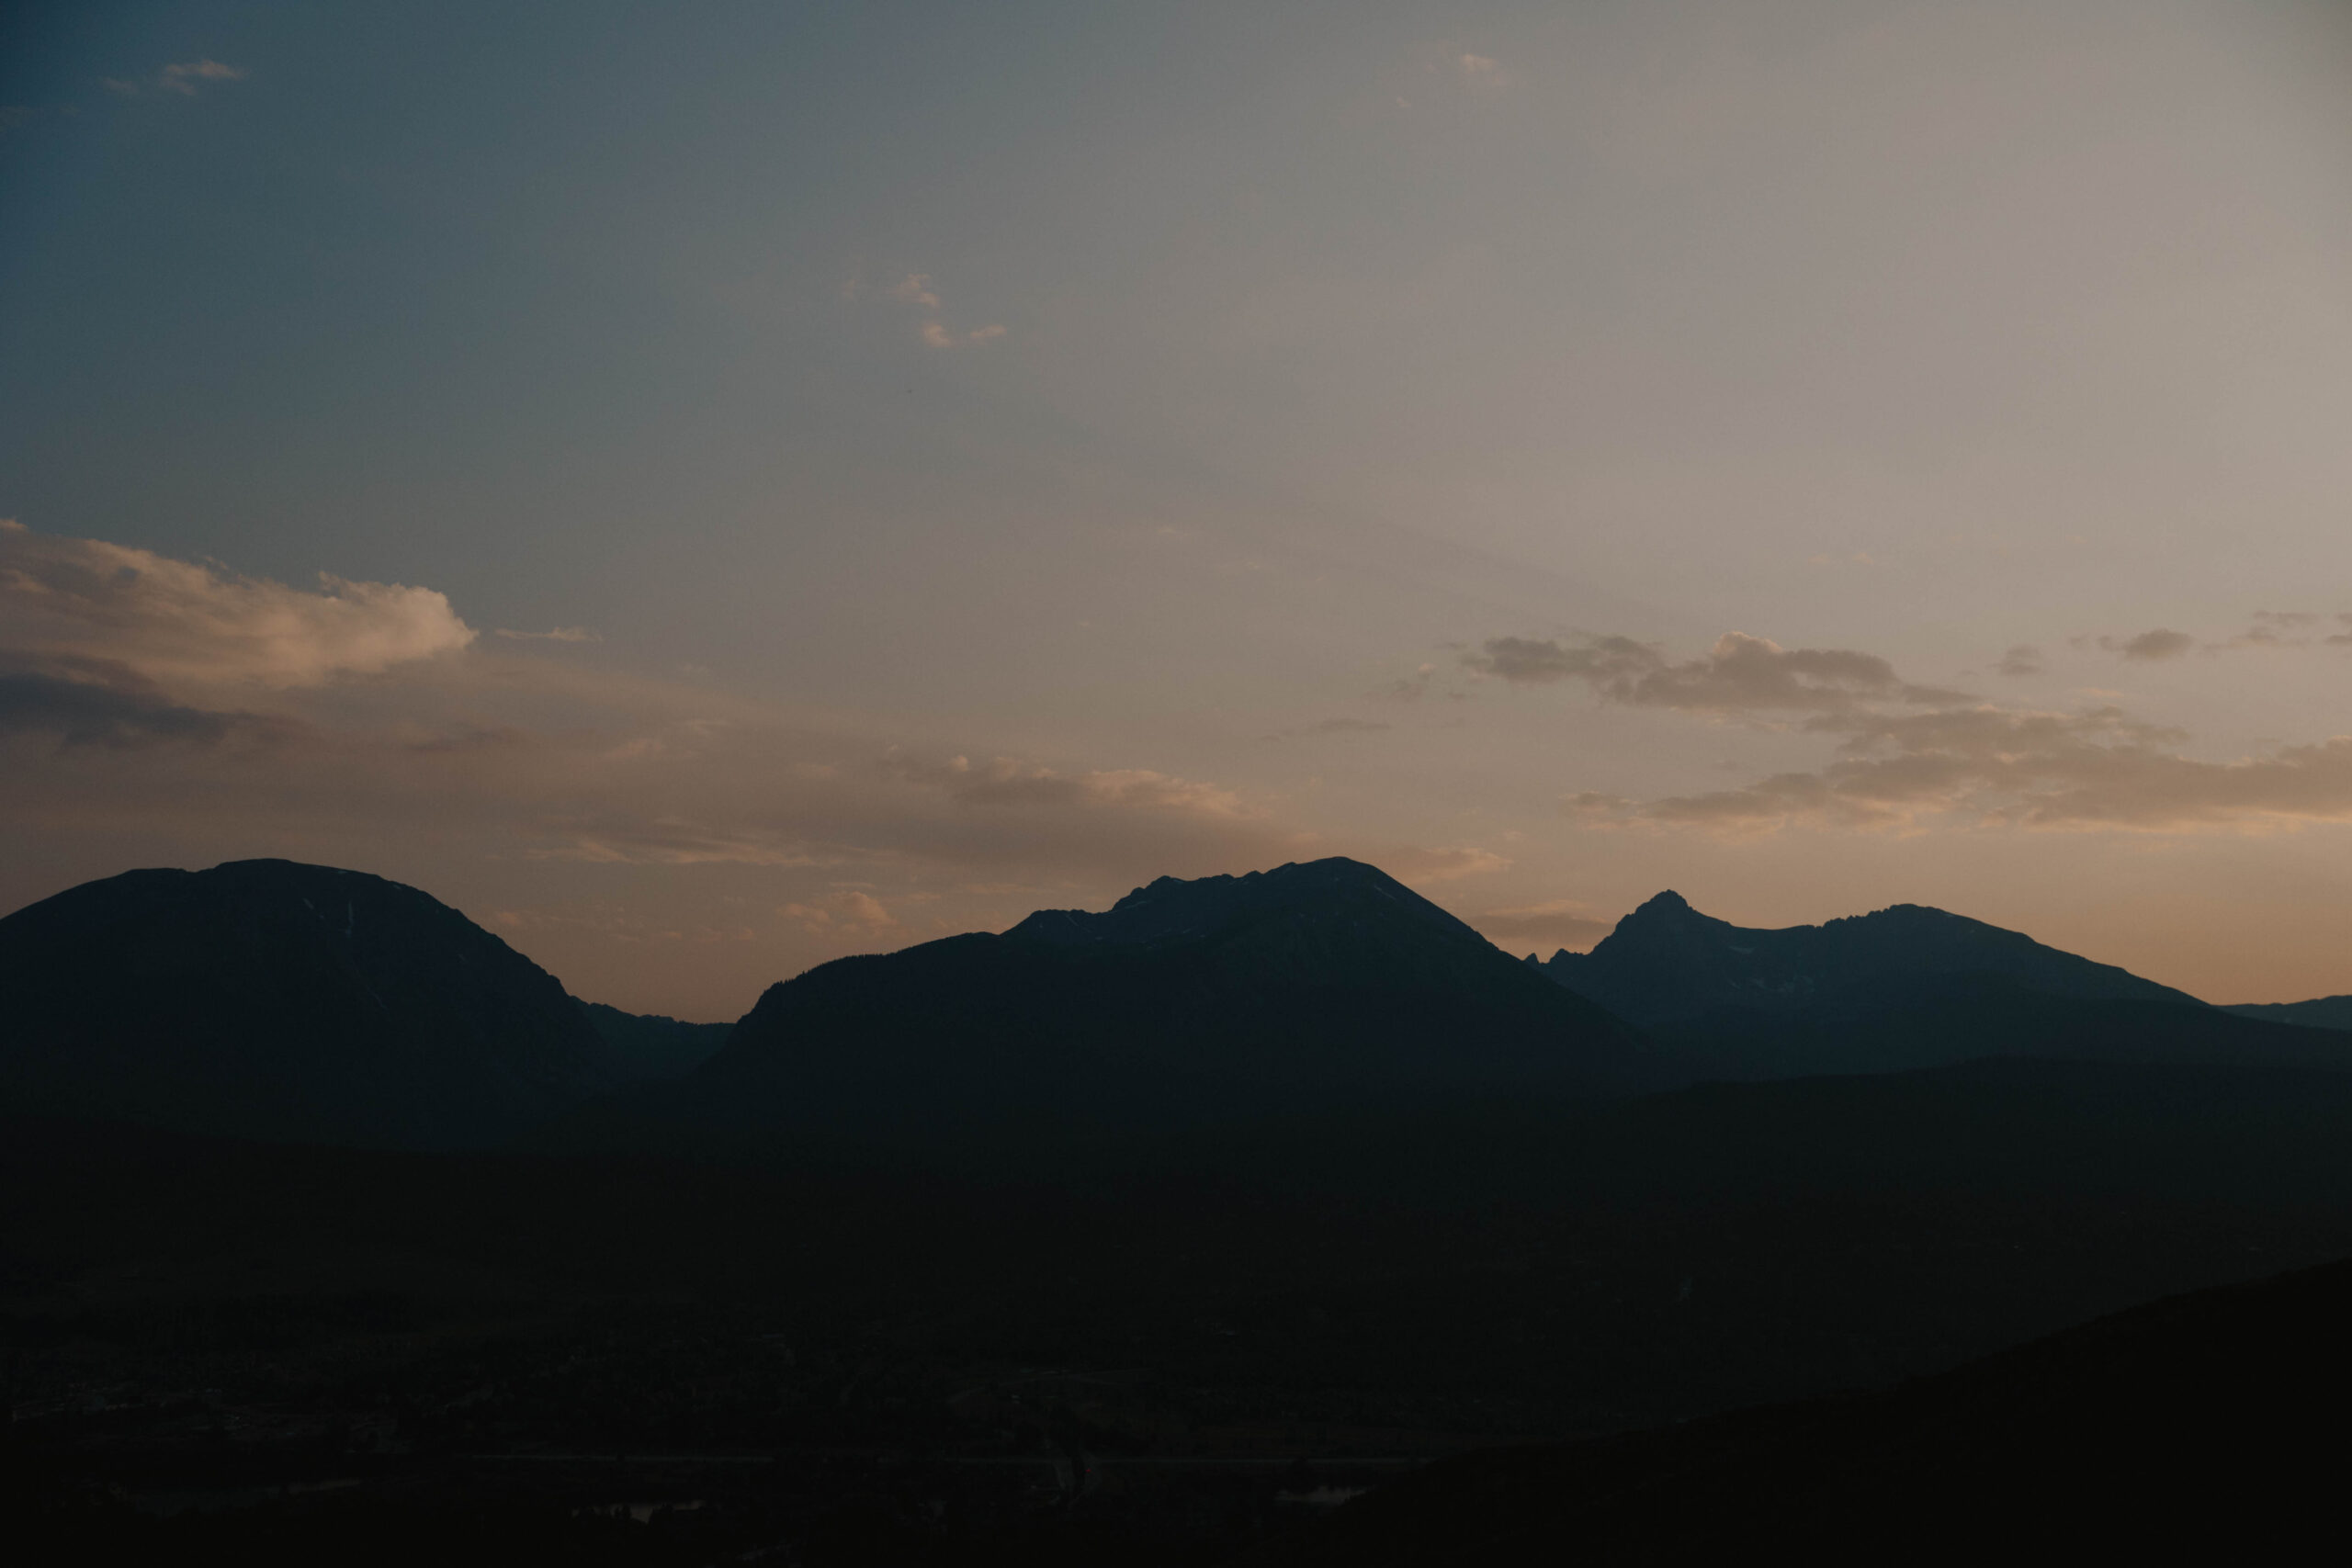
1666	963
267	999
647	1047
2321	1012
1312	984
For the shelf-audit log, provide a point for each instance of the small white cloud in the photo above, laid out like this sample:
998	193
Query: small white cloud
117	84
915	289
183	77
936	335
558	633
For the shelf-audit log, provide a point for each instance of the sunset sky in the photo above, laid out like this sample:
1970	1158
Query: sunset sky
708	489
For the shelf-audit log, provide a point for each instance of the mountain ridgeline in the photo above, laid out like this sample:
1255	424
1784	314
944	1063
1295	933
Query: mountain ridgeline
1241	1171
647	1047
1308	987
270	999
1905	988
1665	964
2321	1012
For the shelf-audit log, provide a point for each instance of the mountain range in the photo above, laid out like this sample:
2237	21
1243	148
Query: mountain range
1292	1163
268	999
1310	987
2322	1013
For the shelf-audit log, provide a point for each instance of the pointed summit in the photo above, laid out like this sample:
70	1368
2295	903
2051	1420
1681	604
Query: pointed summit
1666	906
1667	962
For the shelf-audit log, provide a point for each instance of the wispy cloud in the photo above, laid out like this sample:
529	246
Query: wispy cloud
83	702
1416	865
1004	782
916	291
2150	647
1963	762
1739	674
183	77
556	634
1562	923
2273	629
1331	727
851	913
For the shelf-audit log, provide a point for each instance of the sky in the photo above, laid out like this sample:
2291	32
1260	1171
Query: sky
707	489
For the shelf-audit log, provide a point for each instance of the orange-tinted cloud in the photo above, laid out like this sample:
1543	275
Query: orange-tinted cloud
183	624
1559	923
1985	765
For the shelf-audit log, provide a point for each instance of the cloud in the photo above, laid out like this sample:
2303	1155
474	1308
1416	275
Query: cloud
620	837
1739	674
1004	782
117	86
1469	72
1332	727
133	691
2019	662
1961	762
1411	689
2150	647
175	622
851	913
558	633
1416	865
183	77
1993	766
2271	629
915	289
1560	923
936	336
83	701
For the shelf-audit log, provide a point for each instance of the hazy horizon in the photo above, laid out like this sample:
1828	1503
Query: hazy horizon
707	493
